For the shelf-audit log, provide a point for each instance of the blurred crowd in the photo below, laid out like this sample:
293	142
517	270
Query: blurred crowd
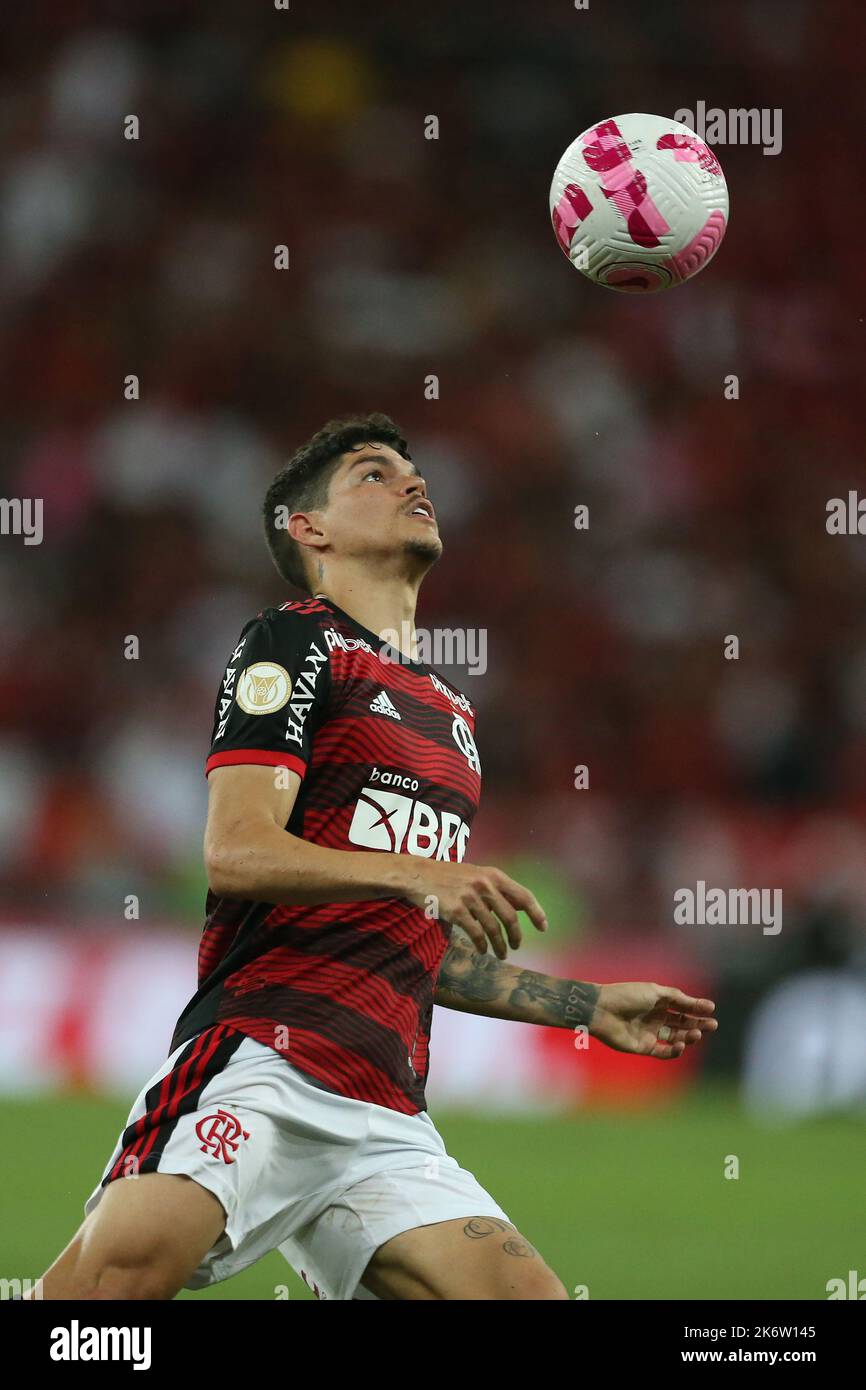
412	259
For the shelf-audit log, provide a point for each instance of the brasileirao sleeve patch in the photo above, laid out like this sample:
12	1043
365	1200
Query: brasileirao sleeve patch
263	688
271	695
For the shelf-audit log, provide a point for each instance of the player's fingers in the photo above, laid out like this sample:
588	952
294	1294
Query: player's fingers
524	900
506	914
684	1036
667	1052
673	998
489	924
689	1036
472	928
678	1020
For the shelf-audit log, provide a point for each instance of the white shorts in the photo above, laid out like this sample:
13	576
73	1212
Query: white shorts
325	1179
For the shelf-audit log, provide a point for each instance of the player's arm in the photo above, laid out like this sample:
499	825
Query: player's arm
272	699
481	984
650	1020
249	854
260	750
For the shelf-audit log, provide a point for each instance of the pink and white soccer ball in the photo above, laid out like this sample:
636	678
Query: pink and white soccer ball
639	203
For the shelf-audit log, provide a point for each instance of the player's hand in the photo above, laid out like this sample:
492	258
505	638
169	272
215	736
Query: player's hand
484	901
651	1020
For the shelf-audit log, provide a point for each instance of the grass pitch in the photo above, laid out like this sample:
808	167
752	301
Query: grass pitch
634	1205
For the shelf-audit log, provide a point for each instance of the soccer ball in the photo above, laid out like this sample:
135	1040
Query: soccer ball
639	203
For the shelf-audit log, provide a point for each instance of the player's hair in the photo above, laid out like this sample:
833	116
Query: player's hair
304	482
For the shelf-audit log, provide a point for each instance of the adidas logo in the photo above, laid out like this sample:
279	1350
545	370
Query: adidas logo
382	705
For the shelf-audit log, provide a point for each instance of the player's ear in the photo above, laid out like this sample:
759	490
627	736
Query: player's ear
306	528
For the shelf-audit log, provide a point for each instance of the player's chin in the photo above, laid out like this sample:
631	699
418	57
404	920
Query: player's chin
424	547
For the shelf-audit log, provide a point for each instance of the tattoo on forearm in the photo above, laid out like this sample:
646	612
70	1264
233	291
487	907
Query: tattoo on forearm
468	975
564	1002
581	1002
485	985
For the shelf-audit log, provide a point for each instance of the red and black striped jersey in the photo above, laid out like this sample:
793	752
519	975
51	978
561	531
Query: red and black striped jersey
386	751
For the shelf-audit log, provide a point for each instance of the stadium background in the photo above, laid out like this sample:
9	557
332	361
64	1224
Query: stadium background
411	257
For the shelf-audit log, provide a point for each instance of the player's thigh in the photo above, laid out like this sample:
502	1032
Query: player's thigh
143	1240
479	1257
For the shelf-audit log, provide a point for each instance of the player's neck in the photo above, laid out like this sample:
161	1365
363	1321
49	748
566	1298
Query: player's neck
386	607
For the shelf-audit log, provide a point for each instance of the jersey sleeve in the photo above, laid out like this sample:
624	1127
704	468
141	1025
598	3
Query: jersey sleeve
273	694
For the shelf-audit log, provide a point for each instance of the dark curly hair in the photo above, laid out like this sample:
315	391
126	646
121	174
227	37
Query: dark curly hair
304	482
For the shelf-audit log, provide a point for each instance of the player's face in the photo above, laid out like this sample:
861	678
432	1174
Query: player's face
378	504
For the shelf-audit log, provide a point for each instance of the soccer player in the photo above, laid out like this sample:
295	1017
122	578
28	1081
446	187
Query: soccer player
343	779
